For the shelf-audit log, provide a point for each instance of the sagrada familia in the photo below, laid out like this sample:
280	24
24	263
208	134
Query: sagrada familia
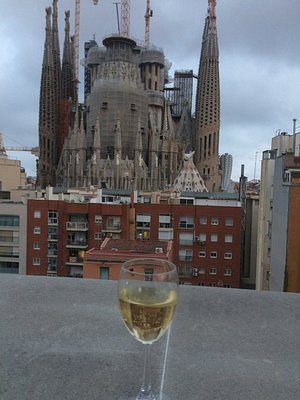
132	131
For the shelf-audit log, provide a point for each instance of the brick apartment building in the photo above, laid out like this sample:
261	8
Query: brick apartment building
205	234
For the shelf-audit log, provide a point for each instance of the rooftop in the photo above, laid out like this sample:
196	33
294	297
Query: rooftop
63	338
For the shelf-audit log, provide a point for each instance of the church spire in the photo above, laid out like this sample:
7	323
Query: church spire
67	61
47	112
56	51
208	104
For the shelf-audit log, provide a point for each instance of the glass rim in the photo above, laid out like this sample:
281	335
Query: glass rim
150	260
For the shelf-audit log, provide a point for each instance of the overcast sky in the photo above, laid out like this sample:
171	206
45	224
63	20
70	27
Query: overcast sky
259	64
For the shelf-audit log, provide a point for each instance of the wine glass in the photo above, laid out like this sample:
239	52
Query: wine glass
148	296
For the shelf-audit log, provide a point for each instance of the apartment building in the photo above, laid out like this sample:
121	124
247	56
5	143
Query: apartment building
205	234
278	247
13	221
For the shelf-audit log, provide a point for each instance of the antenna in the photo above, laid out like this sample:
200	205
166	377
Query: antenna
118	21
257	152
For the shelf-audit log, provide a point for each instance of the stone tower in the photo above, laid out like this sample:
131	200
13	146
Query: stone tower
48	112
208	104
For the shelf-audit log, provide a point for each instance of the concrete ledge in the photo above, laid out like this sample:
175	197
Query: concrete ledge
63	339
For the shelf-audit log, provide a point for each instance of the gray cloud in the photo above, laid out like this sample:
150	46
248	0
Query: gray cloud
259	62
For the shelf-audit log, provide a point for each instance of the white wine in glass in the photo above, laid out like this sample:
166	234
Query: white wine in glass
148	296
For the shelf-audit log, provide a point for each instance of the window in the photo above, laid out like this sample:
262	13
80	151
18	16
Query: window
186	222
52	264
185	255
212	271
229	221
97	235
36	246
98	219
52	233
213	254
37	214
52	217
186	201
202	254
226	286
9	220
227	271
113	223
213	237
228	238
185	270
228	256
104	273
143	221
165	235
37	230
165	221
201	270
203	220
143	234
215	221
202	237
148	274
36	261
186	239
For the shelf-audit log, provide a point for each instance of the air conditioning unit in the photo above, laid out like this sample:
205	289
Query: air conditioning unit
202	242
158	250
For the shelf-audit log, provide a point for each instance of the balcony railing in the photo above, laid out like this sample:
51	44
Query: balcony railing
113	228
52	253
9	239
9	255
77	243
52	237
74	260
77	226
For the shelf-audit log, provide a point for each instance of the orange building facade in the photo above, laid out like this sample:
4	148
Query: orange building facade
106	262
205	238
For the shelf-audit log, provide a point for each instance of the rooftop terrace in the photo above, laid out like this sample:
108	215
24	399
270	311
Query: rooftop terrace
63	338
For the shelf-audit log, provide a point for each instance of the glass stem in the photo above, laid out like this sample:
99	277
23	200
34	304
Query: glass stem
146	390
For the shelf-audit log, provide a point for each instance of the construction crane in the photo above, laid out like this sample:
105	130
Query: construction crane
148	15
76	38
3	149
125	17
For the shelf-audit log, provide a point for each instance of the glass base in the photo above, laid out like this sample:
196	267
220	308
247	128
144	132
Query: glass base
154	397
157	397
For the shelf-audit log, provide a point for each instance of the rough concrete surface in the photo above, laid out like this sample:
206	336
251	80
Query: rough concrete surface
63	338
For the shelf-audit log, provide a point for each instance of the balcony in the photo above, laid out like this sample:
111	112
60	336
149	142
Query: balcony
112	229
77	226
9	241
9	255
224	344
51	271
77	243
52	253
